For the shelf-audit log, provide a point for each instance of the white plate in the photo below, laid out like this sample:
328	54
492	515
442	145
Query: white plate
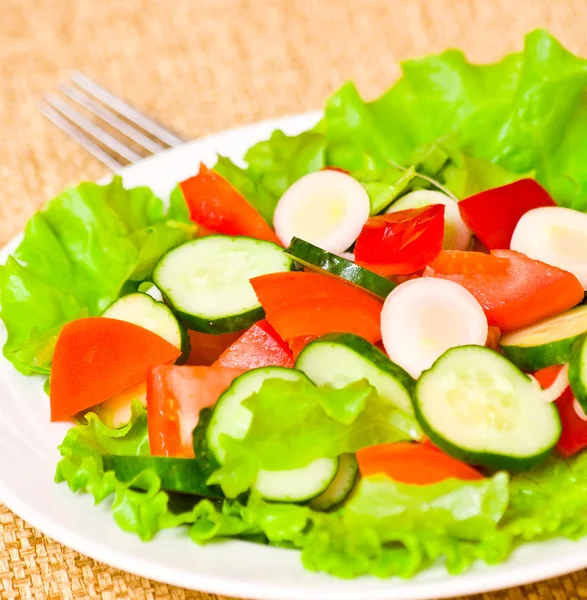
28	457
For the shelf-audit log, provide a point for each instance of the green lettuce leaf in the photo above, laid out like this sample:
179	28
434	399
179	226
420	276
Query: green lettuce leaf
90	245
295	423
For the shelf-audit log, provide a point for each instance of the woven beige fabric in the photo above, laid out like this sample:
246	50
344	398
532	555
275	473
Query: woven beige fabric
203	66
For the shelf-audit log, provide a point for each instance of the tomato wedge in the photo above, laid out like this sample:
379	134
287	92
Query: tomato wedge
417	464
401	242
574	434
494	214
206	348
309	304
96	358
216	205
462	262
259	346
528	291
299	343
175	397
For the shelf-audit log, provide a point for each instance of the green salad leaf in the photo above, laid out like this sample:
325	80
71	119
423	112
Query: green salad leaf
90	245
295	423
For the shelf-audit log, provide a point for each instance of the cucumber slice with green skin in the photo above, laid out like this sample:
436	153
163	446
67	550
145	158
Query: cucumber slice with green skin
338	359
206	281
297	485
480	408
549	342
142	310
321	261
578	371
183	475
341	486
232	419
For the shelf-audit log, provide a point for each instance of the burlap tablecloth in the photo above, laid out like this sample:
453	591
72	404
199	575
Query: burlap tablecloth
203	66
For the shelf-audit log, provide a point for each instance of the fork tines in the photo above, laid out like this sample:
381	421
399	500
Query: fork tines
105	125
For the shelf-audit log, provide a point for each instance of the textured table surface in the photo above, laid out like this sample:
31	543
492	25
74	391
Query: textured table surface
203	66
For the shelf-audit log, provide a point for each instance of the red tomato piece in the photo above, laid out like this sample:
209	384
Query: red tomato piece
97	358
401	242
175	397
462	262
418	464
309	304
258	346
494	214
527	292
217	206
574	430
299	343
206	348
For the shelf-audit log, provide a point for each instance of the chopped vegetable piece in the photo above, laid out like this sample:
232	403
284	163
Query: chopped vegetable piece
320	261
299	343
457	235
175	397
578	371
459	262
340	487
413	463
300	304
574	429
493	337
216	205
96	358
421	319
494	214
259	346
402	242
207	347
557	236
480	408
327	208
527	292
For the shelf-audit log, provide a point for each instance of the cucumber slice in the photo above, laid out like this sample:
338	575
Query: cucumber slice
297	485
321	261
232	419
338	359
182	475
142	310
549	342
341	486
477	406
578	371
206	280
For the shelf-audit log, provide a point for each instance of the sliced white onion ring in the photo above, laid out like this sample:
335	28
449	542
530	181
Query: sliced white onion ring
325	208
457	235
554	235
579	410
556	388
422	318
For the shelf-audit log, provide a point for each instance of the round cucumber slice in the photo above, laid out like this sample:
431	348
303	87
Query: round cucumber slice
578	371
183	475
340	487
477	406
549	342
321	261
142	310
338	359
206	281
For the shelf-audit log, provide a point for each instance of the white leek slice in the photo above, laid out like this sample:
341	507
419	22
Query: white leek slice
556	236
457	235
325	208
422	318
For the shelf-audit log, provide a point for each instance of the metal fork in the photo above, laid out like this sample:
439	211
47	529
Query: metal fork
129	134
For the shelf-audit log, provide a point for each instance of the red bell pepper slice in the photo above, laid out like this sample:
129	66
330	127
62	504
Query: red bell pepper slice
259	346
527	292
417	464
401	242
96	358
574	430
175	397
299	343
494	214
462	262
216	205
309	304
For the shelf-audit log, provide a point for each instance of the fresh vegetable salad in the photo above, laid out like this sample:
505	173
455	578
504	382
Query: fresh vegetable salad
369	344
